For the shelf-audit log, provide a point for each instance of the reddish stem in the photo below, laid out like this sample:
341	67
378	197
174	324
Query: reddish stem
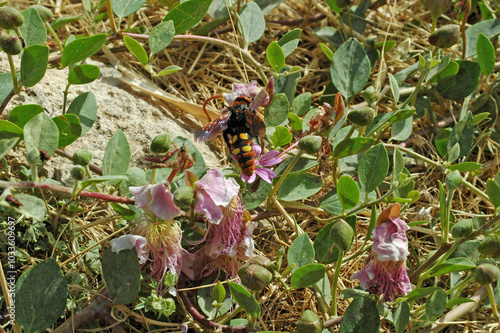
205	104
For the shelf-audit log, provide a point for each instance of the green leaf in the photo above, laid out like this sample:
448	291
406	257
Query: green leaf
294	121
34	64
7	144
301	252
361	316
122	273
373	168
465	167
436	304
268	5
462	84
394	87
82	48
169	70
452	265
116	156
136	49
386	45
33	29
485	54
9	130
286	83
441	67
281	136
187	14
388	118
40	132
402	317
290	41
32	207
301	104
124	8
489	28
21	114
276	113
244	299
463	135
401	130
6	85
85	107
62	21
493	190
252	200
326	50
441	141
69	127
324	249
161	36
83	74
350	68
41	296
205	300
420	293
348	192
275	56
102	179
299	186
307	275
252	23
352	146
303	164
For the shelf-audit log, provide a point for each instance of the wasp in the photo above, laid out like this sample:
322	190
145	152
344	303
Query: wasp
44	157
12	201
238	124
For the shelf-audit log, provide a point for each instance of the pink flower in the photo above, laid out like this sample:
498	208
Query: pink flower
259	95
127	242
156	199
261	161
385	271
213	193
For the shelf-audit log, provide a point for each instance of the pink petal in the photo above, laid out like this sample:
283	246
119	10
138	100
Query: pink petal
162	203
390	242
127	242
206	206
248	179
220	189
256	149
240	89
269	158
261	99
265	174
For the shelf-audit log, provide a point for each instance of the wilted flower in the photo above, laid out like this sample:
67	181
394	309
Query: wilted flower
259	95
261	162
385	271
126	242
156	200
213	193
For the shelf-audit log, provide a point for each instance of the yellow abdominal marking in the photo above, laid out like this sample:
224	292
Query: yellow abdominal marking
243	136
235	137
247	148
236	151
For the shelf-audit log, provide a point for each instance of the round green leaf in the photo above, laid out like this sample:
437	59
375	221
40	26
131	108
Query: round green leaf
252	23
83	74
32	207
33	28
85	107
436	304
299	186
116	155
169	70
348	192
82	48
41	296
463	135
361	316
275	56
34	64
373	168
252	200
290	41
352	146
7	144
124	8
281	136
456	87
485	54
161	36
276	113
40	132
122	273
69	127
301	251
307	275
21	114
489	28
205	300
324	249
402	317
187	14
301	104
9	130
244	299
136	49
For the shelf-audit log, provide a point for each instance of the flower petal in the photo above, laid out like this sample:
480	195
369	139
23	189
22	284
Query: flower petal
390	242
248	179
240	89
256	150
265	174
220	189
162	203
127	242
206	206
270	159
261	99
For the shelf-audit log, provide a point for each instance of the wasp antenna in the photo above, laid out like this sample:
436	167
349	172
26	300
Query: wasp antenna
205	105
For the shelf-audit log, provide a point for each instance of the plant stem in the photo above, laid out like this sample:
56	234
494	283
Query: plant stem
491	295
14	75
291	222
476	190
335	282
282	178
111	17
65	98
416	155
462	28
7	298
53	33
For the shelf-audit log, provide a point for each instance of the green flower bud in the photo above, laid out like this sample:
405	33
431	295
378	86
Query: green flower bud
438	7
362	116
77	172
11	44
10	18
462	229
161	144
33	157
183	197
342	234
255	277
446	36
370	95
309	322
486	273
45	13
343	3
82	157
264	262
489	246
310	144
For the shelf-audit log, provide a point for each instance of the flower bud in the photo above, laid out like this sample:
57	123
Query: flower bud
309	322
77	172
33	157
161	144
11	44
82	157
370	95
446	36
310	144
462	229
438	7
10	18
362	116
255	277
342	234
486	273
489	246
183	197
45	13
264	262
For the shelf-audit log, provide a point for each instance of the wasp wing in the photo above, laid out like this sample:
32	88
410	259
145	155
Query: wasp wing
213	128
255	124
